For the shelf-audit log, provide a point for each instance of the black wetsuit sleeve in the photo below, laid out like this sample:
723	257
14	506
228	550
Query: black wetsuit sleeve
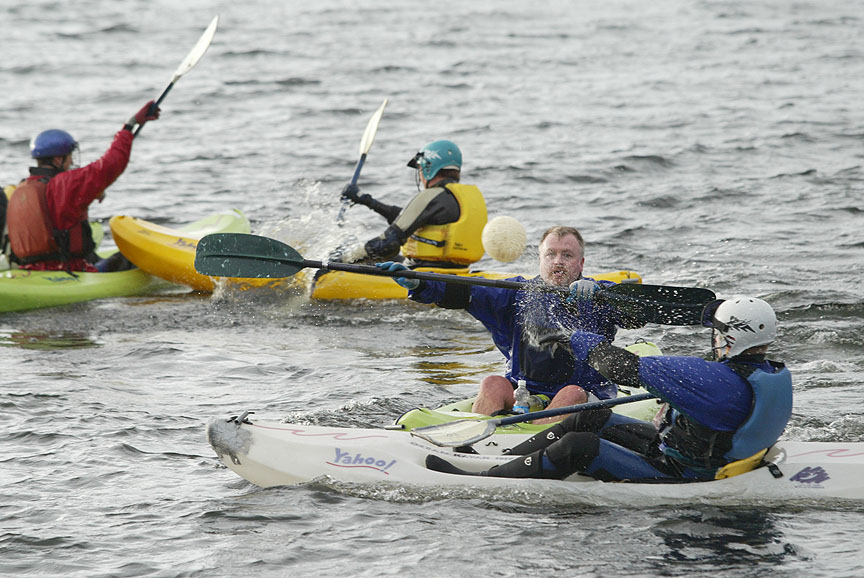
389	212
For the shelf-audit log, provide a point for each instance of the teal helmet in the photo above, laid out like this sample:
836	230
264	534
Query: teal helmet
441	154
52	143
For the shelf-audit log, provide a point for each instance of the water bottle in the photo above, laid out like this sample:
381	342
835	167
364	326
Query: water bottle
523	403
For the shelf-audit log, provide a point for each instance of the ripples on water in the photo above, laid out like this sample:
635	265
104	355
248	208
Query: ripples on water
705	144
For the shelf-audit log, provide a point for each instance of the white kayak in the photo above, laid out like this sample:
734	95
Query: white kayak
272	453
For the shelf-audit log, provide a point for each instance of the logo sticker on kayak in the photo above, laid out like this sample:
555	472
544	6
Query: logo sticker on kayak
358	460
811	476
183	243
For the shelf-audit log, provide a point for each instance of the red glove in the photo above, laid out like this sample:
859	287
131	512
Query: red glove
148	112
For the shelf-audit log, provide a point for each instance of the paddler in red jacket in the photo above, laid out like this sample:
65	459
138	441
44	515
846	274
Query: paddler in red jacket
47	214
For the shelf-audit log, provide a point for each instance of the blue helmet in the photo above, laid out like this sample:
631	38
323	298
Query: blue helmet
441	154
52	143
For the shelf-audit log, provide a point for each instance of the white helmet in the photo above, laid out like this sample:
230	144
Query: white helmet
739	323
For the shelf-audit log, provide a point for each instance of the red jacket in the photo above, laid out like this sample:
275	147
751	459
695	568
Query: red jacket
69	194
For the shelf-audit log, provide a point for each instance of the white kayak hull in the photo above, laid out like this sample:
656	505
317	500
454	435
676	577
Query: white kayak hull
269	453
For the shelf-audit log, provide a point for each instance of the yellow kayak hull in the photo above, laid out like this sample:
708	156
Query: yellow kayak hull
170	253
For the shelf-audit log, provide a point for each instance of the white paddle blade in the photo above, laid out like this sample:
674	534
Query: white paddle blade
456	433
372	128
198	50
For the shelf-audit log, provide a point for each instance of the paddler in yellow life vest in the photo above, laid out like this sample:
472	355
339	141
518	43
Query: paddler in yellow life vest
441	226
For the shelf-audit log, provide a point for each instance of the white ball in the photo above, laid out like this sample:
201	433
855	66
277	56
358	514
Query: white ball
504	239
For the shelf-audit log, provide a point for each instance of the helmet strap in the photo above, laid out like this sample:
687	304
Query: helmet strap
722	352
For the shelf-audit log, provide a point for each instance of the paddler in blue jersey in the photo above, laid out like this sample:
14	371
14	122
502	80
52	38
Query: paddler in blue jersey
441	226
722	415
532	328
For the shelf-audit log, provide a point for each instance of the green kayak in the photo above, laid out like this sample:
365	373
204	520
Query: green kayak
22	289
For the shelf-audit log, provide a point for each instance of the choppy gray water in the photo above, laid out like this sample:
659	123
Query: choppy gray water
702	143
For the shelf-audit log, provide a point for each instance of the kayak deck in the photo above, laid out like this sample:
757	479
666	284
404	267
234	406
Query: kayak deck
423	416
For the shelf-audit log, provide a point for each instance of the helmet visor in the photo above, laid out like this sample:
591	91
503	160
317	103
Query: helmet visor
708	315
414	163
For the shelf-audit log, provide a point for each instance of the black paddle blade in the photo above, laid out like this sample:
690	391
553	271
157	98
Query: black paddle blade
661	304
246	256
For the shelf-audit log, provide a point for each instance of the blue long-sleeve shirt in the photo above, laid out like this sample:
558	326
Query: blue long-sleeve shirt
531	328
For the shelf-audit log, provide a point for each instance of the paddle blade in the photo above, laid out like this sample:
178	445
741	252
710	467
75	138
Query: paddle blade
246	256
198	50
456	433
372	128
661	304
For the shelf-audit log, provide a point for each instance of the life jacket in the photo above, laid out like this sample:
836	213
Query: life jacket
457	242
32	236
704	450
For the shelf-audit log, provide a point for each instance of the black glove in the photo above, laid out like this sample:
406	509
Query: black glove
351	193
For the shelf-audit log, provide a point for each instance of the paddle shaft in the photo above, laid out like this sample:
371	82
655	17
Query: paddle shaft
340	218
572	409
253	256
466	432
410	274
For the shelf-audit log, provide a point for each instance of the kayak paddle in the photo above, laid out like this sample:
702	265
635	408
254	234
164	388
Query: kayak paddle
253	256
464	432
365	145
190	61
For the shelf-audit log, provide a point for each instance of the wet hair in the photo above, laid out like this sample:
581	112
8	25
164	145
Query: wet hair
450	174
562	231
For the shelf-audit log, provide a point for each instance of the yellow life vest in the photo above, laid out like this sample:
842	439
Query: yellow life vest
457	242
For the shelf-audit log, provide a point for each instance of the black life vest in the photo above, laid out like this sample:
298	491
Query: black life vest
703	449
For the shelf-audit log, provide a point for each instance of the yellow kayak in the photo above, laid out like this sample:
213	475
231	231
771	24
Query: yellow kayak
345	285
170	253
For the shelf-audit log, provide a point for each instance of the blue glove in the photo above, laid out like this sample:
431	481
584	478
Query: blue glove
409	284
582	290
